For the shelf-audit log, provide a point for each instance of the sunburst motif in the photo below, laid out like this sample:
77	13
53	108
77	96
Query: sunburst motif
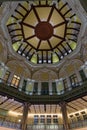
44	28
44	33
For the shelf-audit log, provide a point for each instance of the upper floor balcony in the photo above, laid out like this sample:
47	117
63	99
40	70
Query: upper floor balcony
46	89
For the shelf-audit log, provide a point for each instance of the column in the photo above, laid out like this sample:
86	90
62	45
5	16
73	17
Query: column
39	88
77	73
3	70
68	82
64	115
21	83
78	76
25	115
29	87
85	71
67	79
50	87
11	76
60	86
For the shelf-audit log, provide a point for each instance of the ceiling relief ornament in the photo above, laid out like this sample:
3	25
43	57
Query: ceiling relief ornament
45	33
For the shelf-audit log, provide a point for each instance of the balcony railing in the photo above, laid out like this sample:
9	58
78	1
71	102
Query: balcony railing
79	124
67	95
45	127
15	125
9	124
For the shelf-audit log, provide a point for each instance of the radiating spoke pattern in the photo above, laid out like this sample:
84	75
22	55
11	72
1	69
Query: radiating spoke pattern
45	33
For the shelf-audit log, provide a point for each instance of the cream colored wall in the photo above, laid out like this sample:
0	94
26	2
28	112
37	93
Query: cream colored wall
44	74
4	115
30	120
18	68
70	67
3	52
10	118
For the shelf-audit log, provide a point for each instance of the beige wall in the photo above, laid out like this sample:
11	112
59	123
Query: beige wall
30	120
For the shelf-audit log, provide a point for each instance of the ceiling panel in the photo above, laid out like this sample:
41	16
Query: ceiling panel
79	104
10	104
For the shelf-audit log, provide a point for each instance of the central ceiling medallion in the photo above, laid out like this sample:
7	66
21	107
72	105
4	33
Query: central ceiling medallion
44	30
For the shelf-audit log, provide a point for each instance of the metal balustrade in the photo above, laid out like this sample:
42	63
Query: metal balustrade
15	125
9	124
79	124
45	127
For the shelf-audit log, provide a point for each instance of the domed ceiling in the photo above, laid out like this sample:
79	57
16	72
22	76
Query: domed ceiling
44	32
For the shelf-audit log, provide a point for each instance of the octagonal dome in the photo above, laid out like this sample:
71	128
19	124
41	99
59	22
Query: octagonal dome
44	32
39	31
